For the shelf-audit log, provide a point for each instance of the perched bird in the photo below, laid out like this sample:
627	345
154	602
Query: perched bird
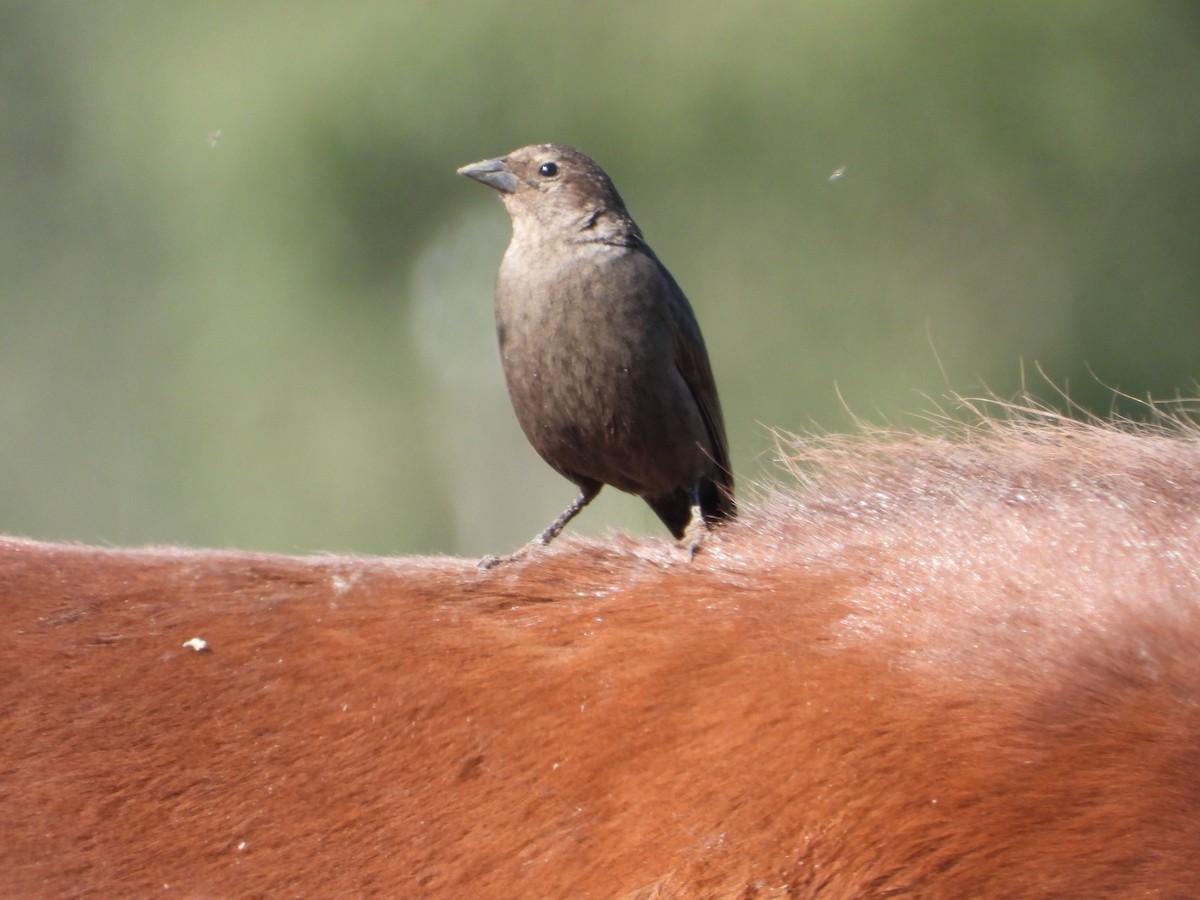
604	361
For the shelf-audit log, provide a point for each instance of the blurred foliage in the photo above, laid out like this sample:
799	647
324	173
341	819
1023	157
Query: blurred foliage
246	301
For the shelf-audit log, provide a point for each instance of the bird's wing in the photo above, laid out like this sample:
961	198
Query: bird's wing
691	358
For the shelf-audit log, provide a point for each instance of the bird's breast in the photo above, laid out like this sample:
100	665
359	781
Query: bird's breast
586	343
577	329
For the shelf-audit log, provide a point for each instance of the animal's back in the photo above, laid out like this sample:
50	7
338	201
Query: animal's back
942	669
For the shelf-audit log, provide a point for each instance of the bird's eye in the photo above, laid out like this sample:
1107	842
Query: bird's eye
548	169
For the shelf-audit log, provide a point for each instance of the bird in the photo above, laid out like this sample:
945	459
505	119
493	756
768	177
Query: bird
602	354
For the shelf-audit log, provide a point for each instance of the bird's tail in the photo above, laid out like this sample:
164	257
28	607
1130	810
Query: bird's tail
716	497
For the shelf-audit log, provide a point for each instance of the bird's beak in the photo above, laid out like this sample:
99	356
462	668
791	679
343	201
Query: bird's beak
494	173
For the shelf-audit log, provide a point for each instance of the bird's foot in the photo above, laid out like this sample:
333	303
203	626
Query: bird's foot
694	535
491	562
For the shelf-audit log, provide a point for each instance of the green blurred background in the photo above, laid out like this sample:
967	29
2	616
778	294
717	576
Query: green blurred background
245	301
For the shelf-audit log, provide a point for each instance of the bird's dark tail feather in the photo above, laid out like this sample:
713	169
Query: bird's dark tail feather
716	499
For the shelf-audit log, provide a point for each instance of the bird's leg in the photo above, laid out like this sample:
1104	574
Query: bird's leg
586	495
697	530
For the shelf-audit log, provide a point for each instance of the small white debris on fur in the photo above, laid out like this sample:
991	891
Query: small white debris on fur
197	644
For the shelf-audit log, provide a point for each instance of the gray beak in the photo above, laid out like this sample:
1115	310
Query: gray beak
494	173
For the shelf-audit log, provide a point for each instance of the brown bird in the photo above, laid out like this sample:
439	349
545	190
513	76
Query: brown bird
604	361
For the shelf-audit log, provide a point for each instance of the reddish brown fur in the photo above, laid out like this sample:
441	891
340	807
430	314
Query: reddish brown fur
944	668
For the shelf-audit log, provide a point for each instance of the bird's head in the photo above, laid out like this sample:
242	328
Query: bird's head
554	186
